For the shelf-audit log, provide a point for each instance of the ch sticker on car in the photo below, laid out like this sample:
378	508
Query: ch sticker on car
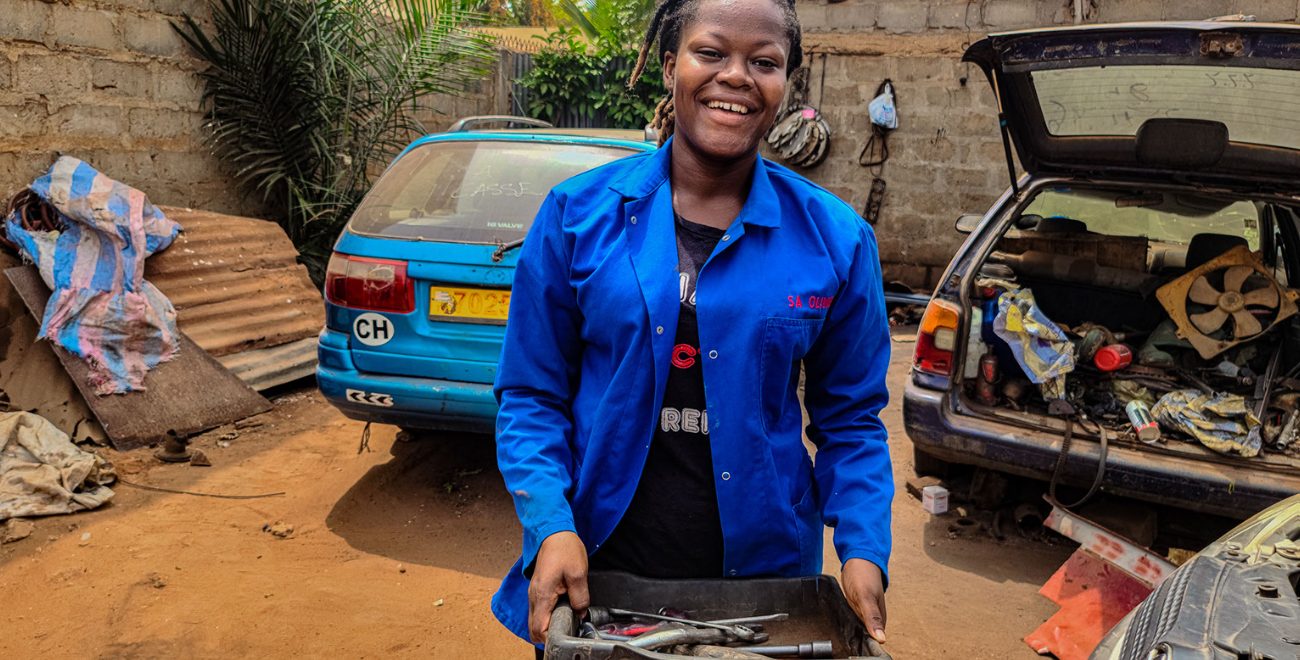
371	398
372	329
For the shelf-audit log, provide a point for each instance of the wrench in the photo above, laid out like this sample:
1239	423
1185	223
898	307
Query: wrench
745	620
601	615
674	636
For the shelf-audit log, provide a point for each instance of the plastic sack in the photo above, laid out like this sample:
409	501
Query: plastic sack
1040	347
881	109
1222	422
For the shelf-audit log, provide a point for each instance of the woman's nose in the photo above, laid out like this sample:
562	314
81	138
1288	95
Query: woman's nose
735	73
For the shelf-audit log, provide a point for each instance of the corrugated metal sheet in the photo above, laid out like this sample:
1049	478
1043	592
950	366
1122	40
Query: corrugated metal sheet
265	368
237	287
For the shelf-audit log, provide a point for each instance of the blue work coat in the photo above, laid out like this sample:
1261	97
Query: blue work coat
593	314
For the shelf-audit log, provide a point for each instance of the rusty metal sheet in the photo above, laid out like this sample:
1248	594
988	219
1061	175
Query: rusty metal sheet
190	394
236	283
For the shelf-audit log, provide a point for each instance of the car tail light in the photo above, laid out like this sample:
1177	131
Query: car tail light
379	285
937	338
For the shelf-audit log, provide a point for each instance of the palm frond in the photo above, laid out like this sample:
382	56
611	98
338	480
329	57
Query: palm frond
305	99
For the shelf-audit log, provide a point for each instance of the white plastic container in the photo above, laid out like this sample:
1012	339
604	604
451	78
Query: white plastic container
934	499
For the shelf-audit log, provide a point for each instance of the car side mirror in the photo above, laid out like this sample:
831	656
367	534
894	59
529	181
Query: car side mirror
967	222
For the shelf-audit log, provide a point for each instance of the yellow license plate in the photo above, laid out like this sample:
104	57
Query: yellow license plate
456	304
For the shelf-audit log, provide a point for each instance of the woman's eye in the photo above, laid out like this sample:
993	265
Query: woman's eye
765	64
709	53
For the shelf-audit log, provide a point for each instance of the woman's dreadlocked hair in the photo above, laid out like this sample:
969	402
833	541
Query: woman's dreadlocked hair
670	18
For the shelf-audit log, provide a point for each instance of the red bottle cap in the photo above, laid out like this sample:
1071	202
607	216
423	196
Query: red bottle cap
1113	357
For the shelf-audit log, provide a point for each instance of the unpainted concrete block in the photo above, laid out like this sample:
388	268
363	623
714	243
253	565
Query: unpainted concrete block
186	166
24	20
22	121
912	275
152	35
853	16
1271	10
173	84
963	178
959	15
1195	10
128	79
813	16
150	123
89	121
70	26
903	16
194	8
134	168
1008	14
1116	11
52	75
942	70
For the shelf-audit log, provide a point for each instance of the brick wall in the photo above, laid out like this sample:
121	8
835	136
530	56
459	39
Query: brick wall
946	156
109	82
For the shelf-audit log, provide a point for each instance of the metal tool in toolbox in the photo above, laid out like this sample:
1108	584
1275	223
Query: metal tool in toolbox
660	635
754	618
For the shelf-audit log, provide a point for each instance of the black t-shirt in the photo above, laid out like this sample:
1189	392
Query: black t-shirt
672	528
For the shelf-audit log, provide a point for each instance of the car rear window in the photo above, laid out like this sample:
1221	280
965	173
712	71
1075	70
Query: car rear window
480	191
1161	216
1257	105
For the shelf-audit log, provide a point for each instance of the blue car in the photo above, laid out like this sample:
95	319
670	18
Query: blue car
418	287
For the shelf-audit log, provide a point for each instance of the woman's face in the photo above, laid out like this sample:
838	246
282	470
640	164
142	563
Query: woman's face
728	76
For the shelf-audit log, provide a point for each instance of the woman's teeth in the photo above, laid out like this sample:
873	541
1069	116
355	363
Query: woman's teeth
729	107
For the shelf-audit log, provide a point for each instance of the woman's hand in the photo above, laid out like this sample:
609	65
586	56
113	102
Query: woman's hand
865	588
561	568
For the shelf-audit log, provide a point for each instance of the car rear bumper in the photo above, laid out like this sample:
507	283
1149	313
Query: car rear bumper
421	403
1207	486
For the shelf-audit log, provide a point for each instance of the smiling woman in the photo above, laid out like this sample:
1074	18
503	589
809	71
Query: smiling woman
648	386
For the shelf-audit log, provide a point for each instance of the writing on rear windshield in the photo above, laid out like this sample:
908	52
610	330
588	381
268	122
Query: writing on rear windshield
1257	105
519	189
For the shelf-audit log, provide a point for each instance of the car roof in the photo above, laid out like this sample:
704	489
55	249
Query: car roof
598	137
613	133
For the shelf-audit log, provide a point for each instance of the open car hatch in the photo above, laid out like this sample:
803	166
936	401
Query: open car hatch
1210	102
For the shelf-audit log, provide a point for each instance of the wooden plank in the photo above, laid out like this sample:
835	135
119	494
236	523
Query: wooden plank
190	394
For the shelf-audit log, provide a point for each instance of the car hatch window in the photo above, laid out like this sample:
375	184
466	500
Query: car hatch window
472	191
1257	105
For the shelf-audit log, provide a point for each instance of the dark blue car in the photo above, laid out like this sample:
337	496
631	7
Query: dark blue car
418	288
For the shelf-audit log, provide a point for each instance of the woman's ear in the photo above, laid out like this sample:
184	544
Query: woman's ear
670	67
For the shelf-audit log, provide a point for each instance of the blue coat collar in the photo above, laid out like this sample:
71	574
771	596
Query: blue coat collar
761	209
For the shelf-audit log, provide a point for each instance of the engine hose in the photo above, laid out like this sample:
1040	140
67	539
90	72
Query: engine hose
1064	455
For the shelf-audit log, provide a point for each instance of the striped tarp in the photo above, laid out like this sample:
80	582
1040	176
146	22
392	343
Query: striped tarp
102	309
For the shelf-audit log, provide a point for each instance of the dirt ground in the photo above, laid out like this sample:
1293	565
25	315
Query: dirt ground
395	552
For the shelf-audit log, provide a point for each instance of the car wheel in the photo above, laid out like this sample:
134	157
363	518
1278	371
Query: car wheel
926	465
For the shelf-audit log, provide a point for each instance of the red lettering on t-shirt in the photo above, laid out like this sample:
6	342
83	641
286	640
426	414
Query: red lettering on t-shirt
684	356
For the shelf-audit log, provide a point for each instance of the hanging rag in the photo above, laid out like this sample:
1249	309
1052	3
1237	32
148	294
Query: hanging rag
101	309
1041	348
1222	422
42	473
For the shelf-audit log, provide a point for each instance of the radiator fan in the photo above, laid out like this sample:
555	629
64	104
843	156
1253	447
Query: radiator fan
1229	299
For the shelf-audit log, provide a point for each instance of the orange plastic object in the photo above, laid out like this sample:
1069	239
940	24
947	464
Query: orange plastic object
1093	596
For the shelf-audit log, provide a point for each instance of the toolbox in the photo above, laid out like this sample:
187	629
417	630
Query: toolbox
816	606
